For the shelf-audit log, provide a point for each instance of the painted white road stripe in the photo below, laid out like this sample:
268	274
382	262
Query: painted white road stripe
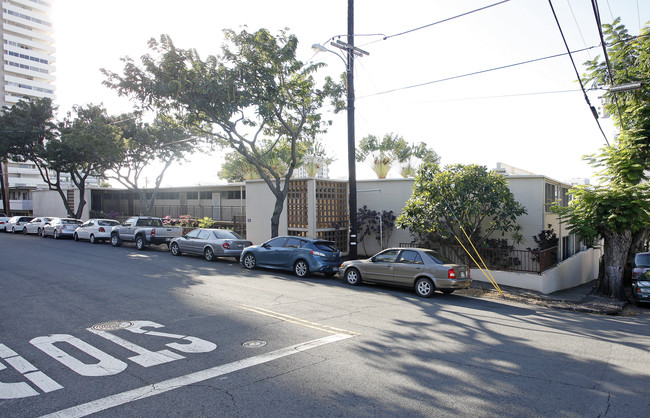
192	378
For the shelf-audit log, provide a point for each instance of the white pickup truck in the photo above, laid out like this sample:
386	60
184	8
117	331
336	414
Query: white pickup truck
144	231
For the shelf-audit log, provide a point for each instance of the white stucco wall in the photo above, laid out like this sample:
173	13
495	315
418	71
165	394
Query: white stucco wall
259	209
384	195
576	270
49	203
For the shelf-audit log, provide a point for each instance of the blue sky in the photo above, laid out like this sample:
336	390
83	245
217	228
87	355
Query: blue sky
531	116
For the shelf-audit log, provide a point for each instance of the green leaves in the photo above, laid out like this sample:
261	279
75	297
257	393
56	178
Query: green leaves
467	196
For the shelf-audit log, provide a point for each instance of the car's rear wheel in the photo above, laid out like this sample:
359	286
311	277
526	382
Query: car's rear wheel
249	261
92	239
43	233
76	237
55	234
139	242
115	240
424	287
38	231
208	253
301	268
352	277
13	230
24	230
175	249
448	291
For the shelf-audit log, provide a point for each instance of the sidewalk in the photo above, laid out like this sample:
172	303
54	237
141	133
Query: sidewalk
577	299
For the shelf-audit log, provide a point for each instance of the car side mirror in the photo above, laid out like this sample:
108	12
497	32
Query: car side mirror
265	245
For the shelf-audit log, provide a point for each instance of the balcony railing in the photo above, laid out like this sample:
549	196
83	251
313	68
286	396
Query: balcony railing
500	259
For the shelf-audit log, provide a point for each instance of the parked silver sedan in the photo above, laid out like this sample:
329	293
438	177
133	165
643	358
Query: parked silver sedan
420	269
60	227
35	226
211	243
95	230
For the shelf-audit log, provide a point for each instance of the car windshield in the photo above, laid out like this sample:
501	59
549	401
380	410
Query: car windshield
326	246
225	234
642	260
437	257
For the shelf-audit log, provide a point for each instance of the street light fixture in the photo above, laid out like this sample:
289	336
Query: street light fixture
625	87
351	52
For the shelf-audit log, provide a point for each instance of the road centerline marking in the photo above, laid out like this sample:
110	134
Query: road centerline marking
189	379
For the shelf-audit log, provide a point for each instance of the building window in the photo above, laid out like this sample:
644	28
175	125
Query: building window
233	194
192	195
206	195
550	195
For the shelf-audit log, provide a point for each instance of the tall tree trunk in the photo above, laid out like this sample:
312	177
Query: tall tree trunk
616	248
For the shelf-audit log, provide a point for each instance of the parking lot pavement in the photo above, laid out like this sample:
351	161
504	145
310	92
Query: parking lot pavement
578	299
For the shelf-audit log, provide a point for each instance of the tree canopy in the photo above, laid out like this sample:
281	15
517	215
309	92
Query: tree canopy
255	98
85	143
394	151
467	196
618	208
166	140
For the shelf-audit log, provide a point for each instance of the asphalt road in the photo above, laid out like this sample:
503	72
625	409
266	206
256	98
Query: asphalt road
90	329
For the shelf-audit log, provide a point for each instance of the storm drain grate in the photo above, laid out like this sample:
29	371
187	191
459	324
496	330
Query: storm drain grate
111	325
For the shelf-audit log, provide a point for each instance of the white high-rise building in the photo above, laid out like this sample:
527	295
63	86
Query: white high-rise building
28	50
28	71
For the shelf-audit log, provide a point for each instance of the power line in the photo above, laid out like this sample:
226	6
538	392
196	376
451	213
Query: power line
478	72
439	21
593	109
594	4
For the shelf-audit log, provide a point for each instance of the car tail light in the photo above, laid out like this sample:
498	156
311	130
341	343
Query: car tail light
153	232
226	245
451	274
101	229
318	253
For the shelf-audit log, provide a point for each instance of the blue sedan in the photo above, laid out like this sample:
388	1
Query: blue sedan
300	255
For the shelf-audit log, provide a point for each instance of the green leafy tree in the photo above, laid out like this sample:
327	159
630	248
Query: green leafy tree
167	140
467	196
89	144
393	150
256	98
84	144
411	156
235	168
617	209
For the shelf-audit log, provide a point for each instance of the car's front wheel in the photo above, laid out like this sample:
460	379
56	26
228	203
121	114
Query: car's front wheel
208	254
175	249
301	268
424	287
249	261
76	237
55	234
25	230
352	277
115	240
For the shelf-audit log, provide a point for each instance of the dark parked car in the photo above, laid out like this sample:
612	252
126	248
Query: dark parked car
420	269
641	278
211	243
300	255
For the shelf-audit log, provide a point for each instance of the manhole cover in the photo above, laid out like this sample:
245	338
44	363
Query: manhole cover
254	344
112	325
